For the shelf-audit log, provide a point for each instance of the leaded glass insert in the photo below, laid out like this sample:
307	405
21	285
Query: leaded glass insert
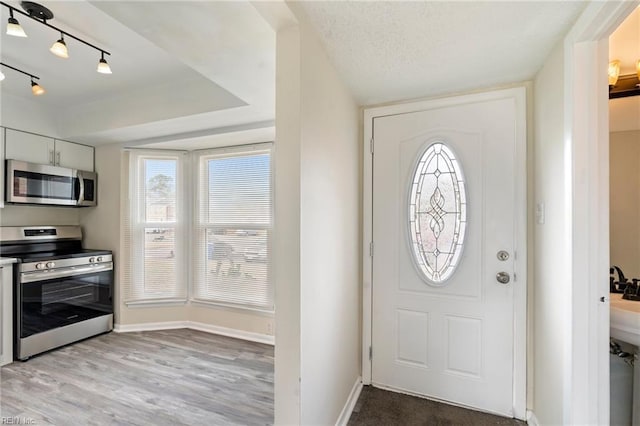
437	213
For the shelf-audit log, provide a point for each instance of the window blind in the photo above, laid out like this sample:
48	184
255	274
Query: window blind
154	236
233	227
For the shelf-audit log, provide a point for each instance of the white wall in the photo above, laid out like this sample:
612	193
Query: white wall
329	255
624	225
551	284
317	232
287	227
27	114
329	238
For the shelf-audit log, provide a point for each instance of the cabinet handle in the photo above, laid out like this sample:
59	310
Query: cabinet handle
51	161
58	158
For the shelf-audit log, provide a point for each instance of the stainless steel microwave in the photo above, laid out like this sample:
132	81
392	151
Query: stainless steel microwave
29	183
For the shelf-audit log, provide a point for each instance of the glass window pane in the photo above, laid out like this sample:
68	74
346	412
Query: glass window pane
159	260
239	189
160	190
237	267
437	213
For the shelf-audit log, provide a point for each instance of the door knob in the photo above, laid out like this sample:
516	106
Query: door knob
503	277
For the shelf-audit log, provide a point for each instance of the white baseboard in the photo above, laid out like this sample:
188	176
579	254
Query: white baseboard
531	418
208	328
232	332
150	326
345	414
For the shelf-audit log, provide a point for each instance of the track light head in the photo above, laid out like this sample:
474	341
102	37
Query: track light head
13	26
36	89
59	48
103	66
1	76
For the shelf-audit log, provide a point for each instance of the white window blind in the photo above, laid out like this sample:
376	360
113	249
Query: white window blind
232	241
154	234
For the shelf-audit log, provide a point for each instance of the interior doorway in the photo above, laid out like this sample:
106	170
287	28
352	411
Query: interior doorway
624	214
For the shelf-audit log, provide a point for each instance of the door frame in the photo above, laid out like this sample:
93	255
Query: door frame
518	94
586	136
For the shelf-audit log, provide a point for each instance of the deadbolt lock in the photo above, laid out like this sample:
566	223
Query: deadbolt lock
503	255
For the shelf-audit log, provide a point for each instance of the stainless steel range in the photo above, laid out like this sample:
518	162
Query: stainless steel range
62	292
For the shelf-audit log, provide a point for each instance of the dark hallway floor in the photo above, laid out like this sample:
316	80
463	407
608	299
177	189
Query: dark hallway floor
383	408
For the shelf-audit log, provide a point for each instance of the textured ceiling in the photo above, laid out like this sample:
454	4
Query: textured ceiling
398	50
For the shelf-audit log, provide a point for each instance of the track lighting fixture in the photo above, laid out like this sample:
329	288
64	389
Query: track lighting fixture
36	89
13	26
59	48
41	14
103	66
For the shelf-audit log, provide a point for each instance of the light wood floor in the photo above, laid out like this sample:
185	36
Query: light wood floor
174	377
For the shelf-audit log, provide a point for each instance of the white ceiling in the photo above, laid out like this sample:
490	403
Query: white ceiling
398	50
186	67
178	66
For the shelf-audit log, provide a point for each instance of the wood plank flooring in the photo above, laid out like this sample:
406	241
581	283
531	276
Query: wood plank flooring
172	377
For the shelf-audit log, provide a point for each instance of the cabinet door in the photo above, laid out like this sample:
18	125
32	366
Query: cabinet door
74	156
28	147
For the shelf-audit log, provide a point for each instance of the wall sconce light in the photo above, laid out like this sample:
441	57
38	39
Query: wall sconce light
41	14
621	86
36	89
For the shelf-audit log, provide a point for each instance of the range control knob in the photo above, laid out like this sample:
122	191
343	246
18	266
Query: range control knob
50	264
39	265
99	259
92	259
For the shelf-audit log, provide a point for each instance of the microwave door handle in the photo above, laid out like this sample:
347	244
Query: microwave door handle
81	194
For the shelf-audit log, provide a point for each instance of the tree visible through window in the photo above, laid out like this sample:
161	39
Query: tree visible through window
156	228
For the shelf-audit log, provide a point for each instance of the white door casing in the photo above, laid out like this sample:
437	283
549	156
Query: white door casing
464	341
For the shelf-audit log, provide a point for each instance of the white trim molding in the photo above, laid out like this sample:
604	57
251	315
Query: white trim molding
586	135
532	419
345	414
193	325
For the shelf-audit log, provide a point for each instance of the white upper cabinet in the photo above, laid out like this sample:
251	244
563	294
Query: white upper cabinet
74	156
38	149
29	147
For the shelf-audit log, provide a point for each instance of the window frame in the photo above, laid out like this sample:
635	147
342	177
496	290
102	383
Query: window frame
200	227
136	224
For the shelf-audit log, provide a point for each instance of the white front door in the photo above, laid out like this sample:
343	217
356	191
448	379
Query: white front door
448	227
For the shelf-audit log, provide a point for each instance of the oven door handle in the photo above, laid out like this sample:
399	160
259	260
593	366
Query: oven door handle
30	277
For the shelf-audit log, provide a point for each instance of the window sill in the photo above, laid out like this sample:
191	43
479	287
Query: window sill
229	307
155	303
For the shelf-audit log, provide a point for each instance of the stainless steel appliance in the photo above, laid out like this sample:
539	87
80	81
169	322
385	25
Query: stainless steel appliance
62	292
29	183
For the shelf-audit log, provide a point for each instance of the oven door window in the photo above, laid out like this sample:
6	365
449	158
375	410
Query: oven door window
50	304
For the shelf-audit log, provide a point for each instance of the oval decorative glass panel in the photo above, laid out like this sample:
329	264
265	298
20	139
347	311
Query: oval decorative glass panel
437	213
